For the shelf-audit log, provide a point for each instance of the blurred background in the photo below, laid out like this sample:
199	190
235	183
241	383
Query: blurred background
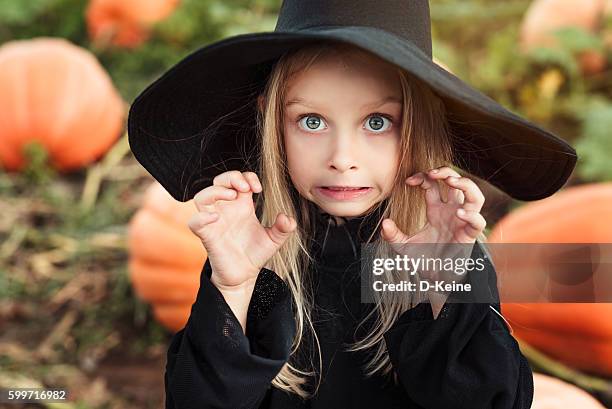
97	265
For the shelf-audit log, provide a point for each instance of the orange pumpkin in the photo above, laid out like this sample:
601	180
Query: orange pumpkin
578	334
165	257
546	16
553	393
125	23
56	93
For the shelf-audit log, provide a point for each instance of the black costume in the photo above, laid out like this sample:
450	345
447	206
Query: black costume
466	358
199	119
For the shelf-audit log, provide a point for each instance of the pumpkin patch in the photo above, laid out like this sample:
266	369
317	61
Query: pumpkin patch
544	17
57	94
553	393
165	257
125	23
577	334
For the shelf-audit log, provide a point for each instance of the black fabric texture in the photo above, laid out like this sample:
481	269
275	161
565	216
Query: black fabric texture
465	358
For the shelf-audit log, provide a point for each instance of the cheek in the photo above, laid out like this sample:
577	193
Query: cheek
297	161
302	148
300	173
384	159
293	145
386	150
289	143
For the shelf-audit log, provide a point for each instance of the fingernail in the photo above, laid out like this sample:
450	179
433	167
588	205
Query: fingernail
453	179
460	212
434	171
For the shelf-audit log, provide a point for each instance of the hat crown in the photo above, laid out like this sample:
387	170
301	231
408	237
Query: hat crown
408	19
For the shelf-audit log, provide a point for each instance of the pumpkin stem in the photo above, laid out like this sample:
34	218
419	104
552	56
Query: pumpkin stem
97	172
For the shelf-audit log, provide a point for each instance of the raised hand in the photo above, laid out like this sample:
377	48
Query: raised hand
454	221
238	245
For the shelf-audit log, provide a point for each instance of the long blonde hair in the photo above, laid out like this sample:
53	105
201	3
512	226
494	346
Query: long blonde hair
424	137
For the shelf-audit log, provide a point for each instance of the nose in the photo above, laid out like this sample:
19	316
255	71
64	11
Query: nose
343	155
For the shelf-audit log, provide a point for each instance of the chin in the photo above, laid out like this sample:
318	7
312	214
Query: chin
345	209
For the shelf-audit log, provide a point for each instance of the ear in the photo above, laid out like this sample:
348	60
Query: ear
261	102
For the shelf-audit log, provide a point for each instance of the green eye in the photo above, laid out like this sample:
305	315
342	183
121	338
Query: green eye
376	123
311	122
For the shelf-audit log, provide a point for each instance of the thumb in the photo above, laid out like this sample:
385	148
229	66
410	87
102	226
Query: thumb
391	233
281	229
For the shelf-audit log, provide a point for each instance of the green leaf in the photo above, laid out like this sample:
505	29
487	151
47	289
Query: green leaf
556	56
20	12
595	144
577	39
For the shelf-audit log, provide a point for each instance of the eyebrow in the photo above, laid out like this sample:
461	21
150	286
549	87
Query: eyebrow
373	105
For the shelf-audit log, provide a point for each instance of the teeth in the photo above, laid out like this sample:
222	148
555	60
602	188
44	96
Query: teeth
343	188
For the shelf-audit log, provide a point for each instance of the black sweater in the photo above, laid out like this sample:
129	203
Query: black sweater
466	358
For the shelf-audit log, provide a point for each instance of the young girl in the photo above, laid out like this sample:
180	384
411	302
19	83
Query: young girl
352	149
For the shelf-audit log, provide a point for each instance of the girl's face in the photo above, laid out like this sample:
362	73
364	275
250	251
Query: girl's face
342	129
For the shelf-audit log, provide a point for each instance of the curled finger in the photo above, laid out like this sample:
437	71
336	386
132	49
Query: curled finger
474	198
205	199
442	172
232	179
476	223
253	180
201	219
453	195
432	190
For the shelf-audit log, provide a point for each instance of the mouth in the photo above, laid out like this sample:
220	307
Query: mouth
344	192
344	188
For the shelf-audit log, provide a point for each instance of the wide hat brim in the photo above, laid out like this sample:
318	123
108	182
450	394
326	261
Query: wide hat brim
199	118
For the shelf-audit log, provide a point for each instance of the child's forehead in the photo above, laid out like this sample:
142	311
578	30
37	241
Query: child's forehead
317	103
364	84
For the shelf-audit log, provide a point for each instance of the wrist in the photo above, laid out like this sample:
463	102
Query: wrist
238	298
246	287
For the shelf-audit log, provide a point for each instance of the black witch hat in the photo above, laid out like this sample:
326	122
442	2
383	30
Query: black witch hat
199	118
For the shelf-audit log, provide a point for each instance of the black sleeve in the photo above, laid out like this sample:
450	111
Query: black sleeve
467	357
211	363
